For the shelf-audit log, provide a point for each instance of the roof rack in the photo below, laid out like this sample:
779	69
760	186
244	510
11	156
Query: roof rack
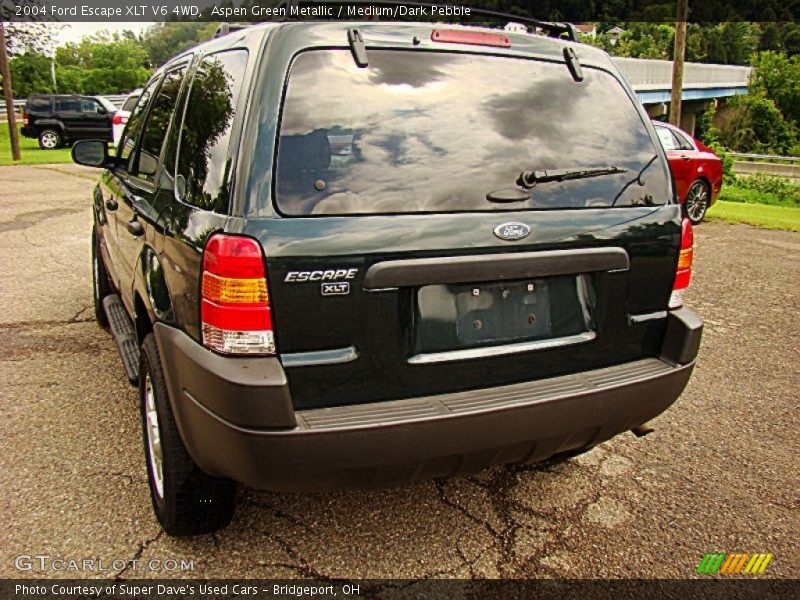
226	28
552	29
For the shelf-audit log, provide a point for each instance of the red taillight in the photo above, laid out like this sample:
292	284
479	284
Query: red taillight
25	119
119	120
477	38
235	311
683	273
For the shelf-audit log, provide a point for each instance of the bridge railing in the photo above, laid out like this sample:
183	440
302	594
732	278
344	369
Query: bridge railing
647	74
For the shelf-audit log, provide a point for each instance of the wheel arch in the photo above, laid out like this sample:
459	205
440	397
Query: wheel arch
152	298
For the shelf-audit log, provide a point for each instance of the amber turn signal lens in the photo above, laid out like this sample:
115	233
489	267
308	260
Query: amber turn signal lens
226	290
685	259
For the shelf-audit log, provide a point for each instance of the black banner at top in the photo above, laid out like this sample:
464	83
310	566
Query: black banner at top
573	11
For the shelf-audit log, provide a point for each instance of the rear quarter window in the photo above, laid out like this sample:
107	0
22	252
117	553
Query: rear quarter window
203	165
40	104
420	132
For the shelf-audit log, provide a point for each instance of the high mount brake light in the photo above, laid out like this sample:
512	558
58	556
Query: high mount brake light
477	38
235	312
683	272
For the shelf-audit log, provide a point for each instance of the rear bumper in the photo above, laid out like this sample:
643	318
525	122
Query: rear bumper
221	406
28	132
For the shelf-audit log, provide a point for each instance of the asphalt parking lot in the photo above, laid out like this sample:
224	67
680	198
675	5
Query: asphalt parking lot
720	473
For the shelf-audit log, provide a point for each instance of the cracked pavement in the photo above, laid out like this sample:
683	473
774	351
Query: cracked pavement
720	473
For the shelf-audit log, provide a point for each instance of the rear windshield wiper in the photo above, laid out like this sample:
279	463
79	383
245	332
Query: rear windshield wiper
528	179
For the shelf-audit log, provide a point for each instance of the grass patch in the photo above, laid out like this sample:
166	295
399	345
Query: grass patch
760	215
31	153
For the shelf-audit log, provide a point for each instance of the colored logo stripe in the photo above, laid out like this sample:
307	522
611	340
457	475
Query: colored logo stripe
733	563
758	563
711	563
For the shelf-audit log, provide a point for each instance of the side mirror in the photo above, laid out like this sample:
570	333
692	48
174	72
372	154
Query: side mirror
92	153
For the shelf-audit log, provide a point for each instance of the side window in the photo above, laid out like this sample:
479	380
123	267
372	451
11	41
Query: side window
91	106
68	105
135	123
203	167
667	139
130	102
158	122
683	143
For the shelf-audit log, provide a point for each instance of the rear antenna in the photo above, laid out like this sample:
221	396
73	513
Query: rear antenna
357	47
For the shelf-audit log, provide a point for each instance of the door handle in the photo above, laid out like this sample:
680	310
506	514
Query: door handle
111	204
684	157
135	228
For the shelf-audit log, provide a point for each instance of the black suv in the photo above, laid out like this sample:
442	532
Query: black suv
358	254
56	120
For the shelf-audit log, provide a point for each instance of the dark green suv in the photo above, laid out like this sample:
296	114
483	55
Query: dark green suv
358	254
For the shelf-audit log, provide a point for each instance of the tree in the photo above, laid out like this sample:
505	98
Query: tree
30	74
755	124
777	76
34	36
162	41
101	65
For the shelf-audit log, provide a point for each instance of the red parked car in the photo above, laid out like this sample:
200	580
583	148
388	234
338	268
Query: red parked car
695	167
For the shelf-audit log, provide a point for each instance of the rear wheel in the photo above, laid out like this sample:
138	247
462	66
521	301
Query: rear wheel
101	287
49	139
186	500
697	201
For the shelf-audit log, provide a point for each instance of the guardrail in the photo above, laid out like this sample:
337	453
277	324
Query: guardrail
765	157
115	99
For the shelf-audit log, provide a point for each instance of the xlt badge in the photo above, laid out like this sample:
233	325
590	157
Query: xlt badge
336	289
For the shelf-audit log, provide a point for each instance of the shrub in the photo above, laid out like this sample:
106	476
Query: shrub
754	124
782	188
728	176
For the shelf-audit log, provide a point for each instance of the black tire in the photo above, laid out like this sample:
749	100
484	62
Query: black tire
189	502
50	139
698	199
101	286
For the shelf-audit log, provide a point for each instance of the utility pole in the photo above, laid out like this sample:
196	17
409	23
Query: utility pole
677	63
5	72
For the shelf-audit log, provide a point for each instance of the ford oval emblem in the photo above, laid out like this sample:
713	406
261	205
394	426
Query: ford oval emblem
512	231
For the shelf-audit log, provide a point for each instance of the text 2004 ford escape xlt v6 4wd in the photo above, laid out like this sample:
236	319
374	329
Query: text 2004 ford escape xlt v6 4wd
340	254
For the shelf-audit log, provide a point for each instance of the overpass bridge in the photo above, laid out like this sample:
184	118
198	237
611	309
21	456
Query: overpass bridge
703	84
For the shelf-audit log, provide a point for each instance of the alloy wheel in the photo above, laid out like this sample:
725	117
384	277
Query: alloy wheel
155	452
697	202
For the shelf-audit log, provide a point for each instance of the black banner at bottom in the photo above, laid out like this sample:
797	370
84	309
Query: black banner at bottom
450	589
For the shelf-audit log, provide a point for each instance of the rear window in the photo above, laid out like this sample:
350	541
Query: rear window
130	103
39	104
423	132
